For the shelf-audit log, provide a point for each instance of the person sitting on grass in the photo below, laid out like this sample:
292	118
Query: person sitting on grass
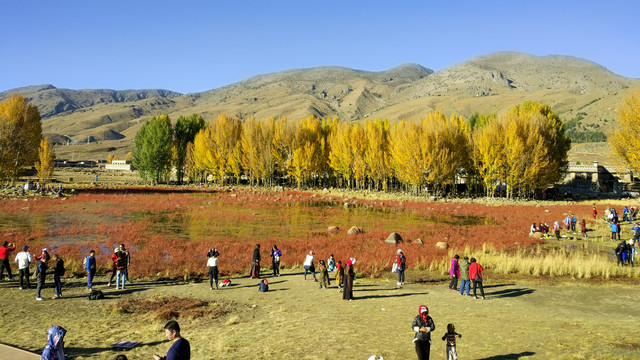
263	286
180	348
55	344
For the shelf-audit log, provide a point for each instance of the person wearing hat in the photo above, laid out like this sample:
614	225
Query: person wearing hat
401	262
24	259
423	326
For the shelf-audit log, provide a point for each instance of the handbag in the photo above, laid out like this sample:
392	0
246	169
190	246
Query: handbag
394	268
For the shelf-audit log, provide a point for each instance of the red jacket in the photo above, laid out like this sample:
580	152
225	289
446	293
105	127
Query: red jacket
475	269
4	251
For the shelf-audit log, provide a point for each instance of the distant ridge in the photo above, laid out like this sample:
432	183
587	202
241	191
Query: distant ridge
574	88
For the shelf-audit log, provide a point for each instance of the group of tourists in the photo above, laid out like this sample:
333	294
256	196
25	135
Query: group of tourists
569	222
45	263
468	271
626	252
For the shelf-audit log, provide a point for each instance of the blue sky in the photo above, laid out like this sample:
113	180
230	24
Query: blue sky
192	46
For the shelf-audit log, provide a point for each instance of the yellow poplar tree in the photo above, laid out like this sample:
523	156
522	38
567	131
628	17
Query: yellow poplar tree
406	153
46	156
20	135
377	157
625	141
341	155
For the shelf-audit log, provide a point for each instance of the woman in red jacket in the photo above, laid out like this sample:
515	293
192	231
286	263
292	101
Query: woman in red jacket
476	273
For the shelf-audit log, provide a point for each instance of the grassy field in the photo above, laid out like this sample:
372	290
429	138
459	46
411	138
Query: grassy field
519	319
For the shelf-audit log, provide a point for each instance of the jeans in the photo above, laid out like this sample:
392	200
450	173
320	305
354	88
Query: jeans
309	269
401	276
475	283
90	275
41	278
57	284
465	284
120	275
24	273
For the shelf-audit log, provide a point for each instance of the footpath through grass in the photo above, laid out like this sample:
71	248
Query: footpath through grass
296	320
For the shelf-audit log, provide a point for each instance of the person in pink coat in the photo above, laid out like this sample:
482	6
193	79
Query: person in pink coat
454	271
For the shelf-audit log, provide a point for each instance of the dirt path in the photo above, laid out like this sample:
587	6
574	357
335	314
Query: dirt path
298	320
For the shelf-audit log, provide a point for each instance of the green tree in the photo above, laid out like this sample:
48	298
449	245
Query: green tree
153	149
184	133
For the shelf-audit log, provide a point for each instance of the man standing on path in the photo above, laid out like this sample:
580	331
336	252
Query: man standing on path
24	259
180	348
5	249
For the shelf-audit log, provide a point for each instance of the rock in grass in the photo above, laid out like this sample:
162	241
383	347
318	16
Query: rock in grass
333	230
354	230
419	242
394	238
442	245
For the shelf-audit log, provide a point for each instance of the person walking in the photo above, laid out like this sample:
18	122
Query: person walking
423	326
349	275
24	259
180	348
255	263
275	260
308	265
5	252
454	271
90	267
401	263
58	272
476	273
583	229
465	282
212	264
619	250
614	230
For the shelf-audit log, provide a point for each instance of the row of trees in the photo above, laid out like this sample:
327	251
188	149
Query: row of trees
526	149
21	141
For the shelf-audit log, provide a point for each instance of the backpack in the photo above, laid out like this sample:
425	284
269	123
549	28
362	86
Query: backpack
95	295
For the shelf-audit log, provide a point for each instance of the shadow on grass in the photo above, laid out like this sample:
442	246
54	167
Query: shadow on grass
76	352
499	285
511	293
356	297
510	356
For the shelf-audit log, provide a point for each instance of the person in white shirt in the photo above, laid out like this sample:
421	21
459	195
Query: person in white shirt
212	263
24	259
308	266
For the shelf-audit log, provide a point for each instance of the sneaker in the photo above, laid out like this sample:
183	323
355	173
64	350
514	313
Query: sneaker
403	283
56	297
320	287
483	298
20	288
39	299
398	283
109	284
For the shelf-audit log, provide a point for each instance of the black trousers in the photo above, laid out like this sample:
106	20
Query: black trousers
453	284
477	283
41	278
213	276
24	273
276	268
5	265
423	348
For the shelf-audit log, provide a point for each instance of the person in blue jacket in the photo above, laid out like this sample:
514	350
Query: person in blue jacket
90	266
180	348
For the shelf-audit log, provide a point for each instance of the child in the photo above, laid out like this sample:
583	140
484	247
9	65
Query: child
324	275
339	275
451	336
331	263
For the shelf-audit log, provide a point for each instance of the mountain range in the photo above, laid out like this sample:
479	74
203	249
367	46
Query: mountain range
584	94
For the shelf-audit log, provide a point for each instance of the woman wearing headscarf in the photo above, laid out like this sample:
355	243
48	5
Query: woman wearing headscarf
255	262
349	274
55	344
423	326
